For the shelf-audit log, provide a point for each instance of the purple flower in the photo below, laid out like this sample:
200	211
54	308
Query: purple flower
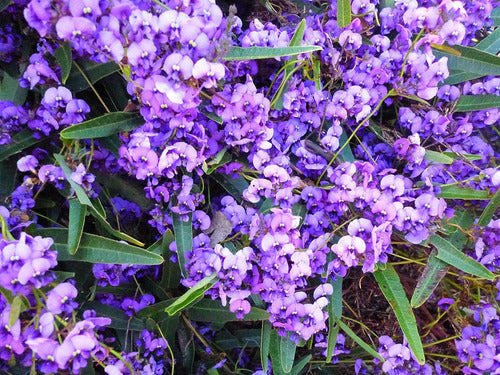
74	27
27	163
60	299
348	249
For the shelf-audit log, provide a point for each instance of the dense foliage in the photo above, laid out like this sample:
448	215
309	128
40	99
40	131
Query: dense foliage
310	188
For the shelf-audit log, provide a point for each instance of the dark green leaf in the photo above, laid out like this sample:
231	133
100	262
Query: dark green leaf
97	249
20	141
208	310
234	186
274	353
490	209
119	320
108	228
469	103
491	43
458	192
431	276
334	314
94	72
437	157
495	16
11	91
457	156
156	311
192	295
7	185
453	256
134	191
245	338
77	212
368	348
103	126
253	53
183	232
469	60
387	4
343	13
391	287
80	193
287	353
4	4
171	273
65	60
265	343
458	76
300	364
346	154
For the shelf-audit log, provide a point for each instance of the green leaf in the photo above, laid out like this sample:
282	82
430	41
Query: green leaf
490	209
11	90
7	185
65	60
94	72
183	232
453	256
299	366
244	338
156	311
456	156
275	353
469	60
391	287
134	191
171	273
208	310
77	212
192	295
80	193
334	314
346	154
495	16
458	192
287	353
491	43
97	249
119	320
458	76
254	53
438	157
4	4
103	126
343	13
234	186
368	348
469	103
265	343
298	36
20	141
431	276
108	228
15	310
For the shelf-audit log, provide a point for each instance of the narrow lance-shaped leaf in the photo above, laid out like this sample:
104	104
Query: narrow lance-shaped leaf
15	310
469	103
437	157
490	209
458	192
254	53
212	311
11	90
334	314
265	343
192	295
453	256
103	126
287	353
469	59
368	348
77	212
391	287
300	365
65	60
20	141
183	232
431	276
491	43
343	13
80	193
97	249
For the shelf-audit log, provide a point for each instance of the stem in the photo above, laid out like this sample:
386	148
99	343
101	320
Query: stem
5	230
